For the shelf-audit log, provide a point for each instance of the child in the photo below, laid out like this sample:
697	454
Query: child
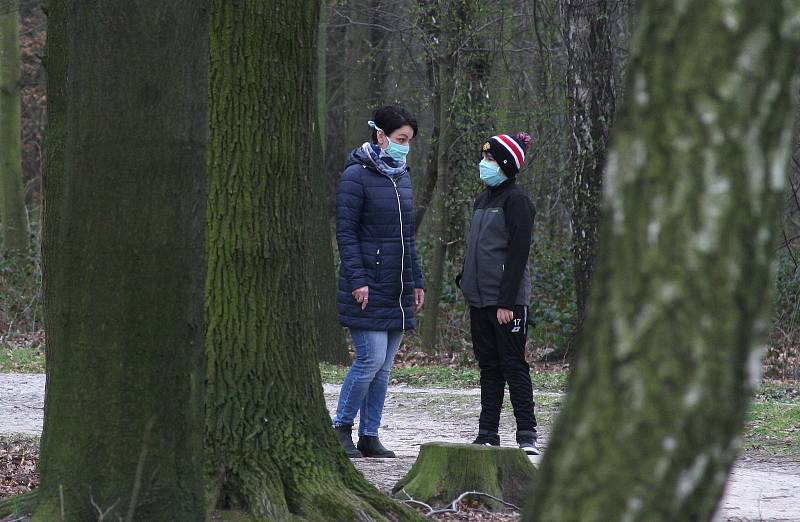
496	283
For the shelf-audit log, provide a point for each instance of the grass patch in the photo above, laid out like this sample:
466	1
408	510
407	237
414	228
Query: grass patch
21	360
446	377
773	427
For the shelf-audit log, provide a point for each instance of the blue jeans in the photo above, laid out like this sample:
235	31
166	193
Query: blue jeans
364	387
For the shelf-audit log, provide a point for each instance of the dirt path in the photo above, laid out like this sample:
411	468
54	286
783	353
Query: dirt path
759	489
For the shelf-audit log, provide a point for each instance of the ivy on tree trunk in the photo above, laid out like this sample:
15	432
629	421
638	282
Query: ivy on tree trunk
678	312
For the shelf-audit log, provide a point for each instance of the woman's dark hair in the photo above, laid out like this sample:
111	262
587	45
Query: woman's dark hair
390	118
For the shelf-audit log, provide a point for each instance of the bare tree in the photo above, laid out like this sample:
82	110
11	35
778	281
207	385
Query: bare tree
588	29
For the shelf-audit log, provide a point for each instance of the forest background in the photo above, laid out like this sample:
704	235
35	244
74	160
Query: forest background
505	66
552	68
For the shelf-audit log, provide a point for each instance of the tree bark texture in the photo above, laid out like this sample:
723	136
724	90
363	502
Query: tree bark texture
424	192
679	306
331	346
13	216
359	78
439	226
591	100
124	261
270	447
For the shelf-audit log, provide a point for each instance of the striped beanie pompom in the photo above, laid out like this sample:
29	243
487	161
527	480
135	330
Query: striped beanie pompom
508	152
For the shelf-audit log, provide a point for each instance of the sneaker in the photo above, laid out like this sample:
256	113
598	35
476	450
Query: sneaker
487	438
527	442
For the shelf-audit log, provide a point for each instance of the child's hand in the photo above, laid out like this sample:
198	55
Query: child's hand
504	316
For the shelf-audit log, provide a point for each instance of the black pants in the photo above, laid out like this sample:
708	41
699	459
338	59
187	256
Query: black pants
500	352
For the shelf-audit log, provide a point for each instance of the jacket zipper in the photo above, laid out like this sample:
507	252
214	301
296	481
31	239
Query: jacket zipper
403	256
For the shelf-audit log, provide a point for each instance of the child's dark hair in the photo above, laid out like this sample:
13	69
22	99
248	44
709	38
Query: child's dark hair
389	118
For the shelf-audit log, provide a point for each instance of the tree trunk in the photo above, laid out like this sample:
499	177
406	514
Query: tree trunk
591	100
358	76
443	471
441	222
679	306
454	69
14	219
502	69
124	261
270	446
424	195
322	82
331	346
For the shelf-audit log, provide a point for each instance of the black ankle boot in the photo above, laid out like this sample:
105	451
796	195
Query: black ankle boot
371	447
345	435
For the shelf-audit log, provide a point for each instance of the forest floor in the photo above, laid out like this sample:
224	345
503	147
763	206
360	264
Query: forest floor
763	485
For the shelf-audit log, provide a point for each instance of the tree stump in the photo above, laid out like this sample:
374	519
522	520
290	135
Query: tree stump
443	471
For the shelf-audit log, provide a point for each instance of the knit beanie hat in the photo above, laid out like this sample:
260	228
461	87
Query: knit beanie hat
508	152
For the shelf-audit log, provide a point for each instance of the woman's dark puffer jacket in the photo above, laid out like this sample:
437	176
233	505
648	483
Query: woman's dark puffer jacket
375	234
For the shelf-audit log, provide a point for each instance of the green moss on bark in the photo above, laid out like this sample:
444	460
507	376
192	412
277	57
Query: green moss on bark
270	447
443	471
13	217
124	260
671	351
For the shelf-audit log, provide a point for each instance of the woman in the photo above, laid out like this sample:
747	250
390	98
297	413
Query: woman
496	283
380	279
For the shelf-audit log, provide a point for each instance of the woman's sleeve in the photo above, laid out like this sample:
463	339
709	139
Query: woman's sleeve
349	203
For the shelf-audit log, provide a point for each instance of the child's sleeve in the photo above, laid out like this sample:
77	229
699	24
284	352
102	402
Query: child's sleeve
519	214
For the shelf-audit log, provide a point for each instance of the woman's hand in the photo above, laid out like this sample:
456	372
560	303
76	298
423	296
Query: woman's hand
419	299
504	316
362	296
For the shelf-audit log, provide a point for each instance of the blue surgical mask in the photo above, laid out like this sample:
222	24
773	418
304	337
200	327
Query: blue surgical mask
490	173
395	151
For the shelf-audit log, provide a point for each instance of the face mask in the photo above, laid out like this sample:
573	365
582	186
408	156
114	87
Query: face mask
395	151
490	173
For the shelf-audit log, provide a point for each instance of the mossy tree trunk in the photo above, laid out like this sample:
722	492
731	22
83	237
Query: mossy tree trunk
124	261
270	447
13	216
679	305
591	101
443	471
331	346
